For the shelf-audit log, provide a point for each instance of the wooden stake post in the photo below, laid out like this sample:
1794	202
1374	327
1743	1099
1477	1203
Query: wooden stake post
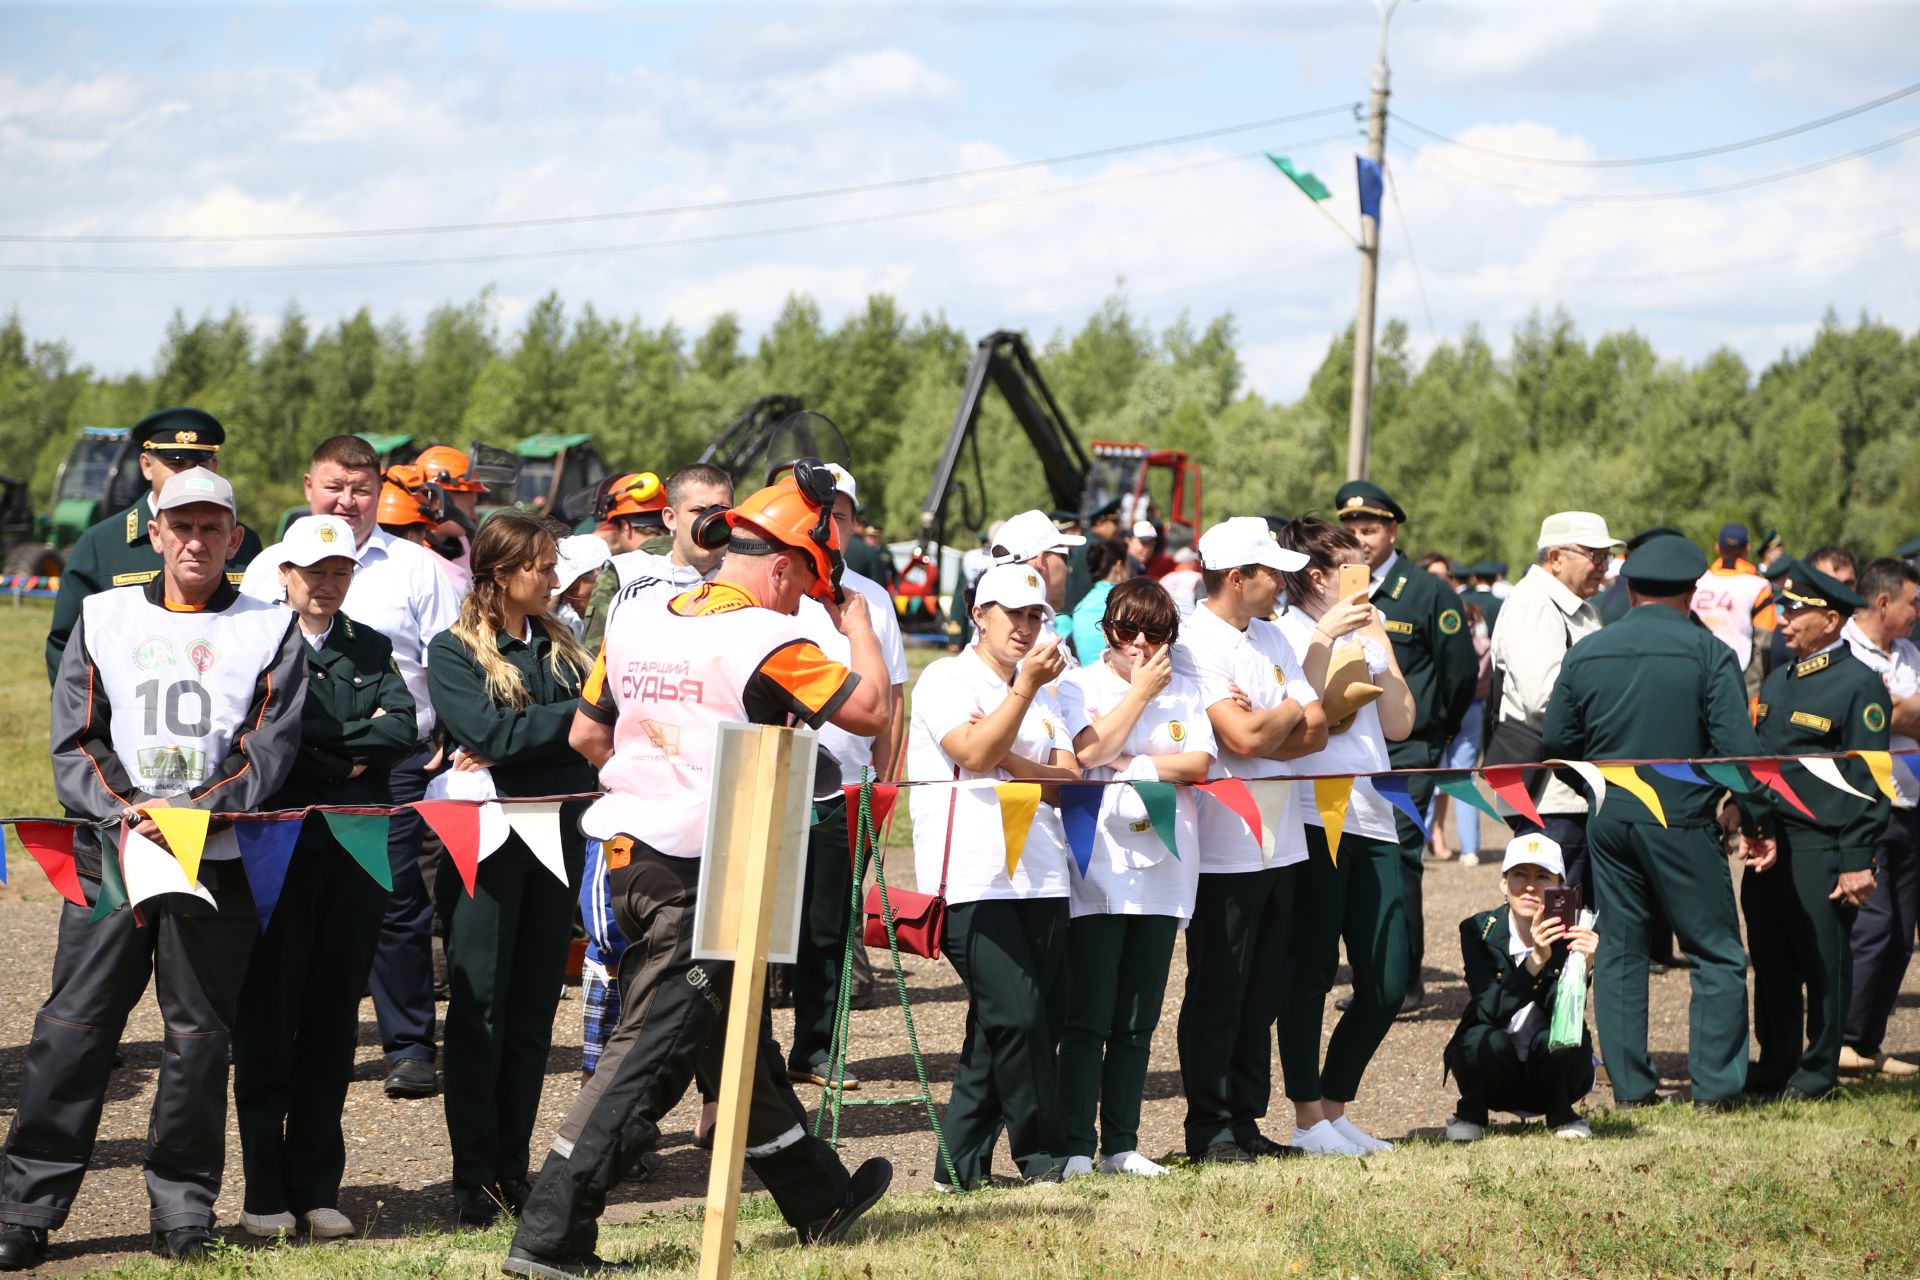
762	792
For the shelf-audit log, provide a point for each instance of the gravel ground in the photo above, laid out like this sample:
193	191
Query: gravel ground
397	1158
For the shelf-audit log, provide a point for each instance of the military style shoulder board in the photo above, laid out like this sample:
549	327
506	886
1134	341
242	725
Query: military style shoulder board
1397	628
348	624
135	579
133	524
1816	663
1487	931
1808	720
1398	584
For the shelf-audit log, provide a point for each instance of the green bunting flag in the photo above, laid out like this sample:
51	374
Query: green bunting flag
1466	791
113	884
364	837
1727	775
1160	800
1310	185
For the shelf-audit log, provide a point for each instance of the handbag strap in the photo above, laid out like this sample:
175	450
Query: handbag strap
946	854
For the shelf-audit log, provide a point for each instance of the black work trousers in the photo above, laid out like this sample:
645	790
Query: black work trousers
1882	935
196	956
1802	965
1492	1075
823	940
403	962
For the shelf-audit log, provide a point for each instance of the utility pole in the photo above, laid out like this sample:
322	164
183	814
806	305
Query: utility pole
1359	422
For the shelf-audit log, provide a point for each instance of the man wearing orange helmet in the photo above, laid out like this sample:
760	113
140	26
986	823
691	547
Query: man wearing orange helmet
450	472
729	649
690	493
403	512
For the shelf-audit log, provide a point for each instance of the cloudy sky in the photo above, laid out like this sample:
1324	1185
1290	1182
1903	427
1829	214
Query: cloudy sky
148	120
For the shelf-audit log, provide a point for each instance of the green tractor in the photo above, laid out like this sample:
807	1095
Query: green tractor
101	475
558	475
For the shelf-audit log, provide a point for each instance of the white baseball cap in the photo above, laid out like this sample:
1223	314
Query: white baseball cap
1029	534
843	483
1145	529
311	539
1575	529
1534	850
195	485
1245	540
1013	586
579	554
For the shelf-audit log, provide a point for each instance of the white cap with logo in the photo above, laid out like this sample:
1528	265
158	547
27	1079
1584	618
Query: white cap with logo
311	539
1020	538
579	554
843	483
1534	850
1144	529
1243	541
195	485
1575	529
1012	586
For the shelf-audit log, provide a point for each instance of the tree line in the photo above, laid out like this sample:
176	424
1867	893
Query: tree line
1476	444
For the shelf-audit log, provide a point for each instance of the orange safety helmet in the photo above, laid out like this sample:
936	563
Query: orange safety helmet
631	495
795	513
449	468
398	506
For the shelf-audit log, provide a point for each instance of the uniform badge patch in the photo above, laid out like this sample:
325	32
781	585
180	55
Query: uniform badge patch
1874	717
1397	628
153	653
1450	621
1177	731
203	656
1808	720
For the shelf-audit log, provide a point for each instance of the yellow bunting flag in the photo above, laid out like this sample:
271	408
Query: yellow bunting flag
1881	764
185	831
1628	780
1330	796
1019	801
151	871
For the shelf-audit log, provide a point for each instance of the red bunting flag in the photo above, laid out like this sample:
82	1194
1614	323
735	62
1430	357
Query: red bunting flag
457	823
1233	793
51	844
1511	785
885	795
1768	771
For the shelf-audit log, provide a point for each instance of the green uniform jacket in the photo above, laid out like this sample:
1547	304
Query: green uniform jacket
527	745
1430	638
1829	702
1497	988
116	553
1655	685
1485	601
349	677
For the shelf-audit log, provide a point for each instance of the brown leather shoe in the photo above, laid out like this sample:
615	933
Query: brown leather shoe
1888	1065
1852	1063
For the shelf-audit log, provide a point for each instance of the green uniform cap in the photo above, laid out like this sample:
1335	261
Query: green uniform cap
1363	499
1908	550
1486	569
188	433
1804	587
1665	559
1647	535
1111	511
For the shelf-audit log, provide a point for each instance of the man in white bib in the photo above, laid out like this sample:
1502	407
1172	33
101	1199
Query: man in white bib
180	693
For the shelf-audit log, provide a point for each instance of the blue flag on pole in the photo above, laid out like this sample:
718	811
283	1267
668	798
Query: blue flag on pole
1369	172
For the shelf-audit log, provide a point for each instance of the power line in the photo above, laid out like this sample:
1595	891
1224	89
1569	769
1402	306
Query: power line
586	251
1672	157
1406	233
712	206
1636	197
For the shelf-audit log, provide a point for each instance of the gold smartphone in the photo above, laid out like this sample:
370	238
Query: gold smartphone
1353	577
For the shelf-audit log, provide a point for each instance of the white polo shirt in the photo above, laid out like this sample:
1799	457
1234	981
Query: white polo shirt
1214	653
949	691
848	750
1361	748
400	590
1899	668
1131	872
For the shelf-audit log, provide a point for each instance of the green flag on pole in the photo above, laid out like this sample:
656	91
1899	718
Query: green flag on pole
1312	186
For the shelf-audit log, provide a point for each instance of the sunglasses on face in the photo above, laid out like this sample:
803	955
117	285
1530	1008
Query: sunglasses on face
1121	633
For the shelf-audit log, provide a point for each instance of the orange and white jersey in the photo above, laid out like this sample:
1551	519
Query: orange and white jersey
1734	602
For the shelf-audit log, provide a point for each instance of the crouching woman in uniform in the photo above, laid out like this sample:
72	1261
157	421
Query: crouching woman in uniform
299	1013
989	712
1142	723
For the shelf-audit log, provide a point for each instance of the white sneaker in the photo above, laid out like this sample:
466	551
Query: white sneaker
1573	1129
327	1224
267	1225
1077	1167
1359	1137
1468	859
1132	1162
1323	1140
1459	1130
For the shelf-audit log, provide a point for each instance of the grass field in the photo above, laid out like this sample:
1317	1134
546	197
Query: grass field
26	781
1786	1190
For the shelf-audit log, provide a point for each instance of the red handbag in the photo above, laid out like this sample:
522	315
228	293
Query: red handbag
919	919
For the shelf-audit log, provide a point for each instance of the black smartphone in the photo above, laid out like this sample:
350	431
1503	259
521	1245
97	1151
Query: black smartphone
1562	903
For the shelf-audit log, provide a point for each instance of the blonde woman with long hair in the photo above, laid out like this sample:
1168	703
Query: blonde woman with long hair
504	681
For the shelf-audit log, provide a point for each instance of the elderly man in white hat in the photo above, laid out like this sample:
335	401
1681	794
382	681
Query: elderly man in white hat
1549	611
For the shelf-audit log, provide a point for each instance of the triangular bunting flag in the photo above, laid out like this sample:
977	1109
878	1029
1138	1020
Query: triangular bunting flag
1080	815
538	825
1463	788
266	850
1161	801
1680	773
1768	772
1330	797
1511	785
185	831
495	830
152	871
1880	764
1828	771
1393	789
458	826
884	796
3	861
364	837
1728	776
113	881
1596	785
1629	780
1233	793
51	844
1019	801
1274	798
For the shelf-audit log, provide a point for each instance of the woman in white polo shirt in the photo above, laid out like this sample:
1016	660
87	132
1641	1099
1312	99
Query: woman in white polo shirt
1356	898
1136	720
988	713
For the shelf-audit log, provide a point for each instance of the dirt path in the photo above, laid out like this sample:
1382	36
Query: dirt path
397	1157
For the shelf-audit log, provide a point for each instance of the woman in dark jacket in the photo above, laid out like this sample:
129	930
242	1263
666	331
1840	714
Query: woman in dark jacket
298	1017
504	680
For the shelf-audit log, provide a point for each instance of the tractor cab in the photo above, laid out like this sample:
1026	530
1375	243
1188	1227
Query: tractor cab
1160	485
100	476
557	476
394	448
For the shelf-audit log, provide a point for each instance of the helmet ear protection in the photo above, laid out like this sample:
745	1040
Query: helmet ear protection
819	487
711	530
746	528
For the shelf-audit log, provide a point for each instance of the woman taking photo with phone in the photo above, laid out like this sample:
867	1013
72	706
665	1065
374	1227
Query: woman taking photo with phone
1338	637
504	681
990	712
1142	723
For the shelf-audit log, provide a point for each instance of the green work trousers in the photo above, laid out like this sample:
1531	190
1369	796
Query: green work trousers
506	962
1116	979
1683	870
1011	956
1414	754
1236	944
1357	901
1802	966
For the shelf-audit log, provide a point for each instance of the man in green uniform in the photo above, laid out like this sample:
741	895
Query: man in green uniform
1655	685
1480	594
1800	903
117	552
1435	650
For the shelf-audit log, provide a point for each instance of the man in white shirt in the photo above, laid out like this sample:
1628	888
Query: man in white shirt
400	591
1882	935
1548	612
1264	713
693	492
1735	601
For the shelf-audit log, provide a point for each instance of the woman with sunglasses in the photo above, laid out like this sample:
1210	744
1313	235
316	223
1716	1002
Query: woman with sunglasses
1142	723
1357	897
990	712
